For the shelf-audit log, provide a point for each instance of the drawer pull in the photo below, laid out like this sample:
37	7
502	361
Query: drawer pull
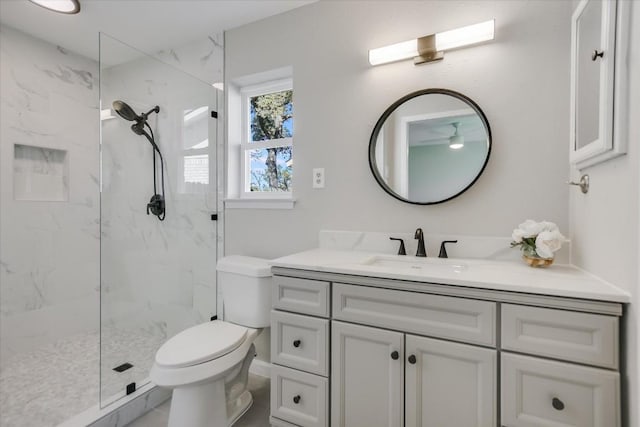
296	399
557	404
412	359
395	355
296	343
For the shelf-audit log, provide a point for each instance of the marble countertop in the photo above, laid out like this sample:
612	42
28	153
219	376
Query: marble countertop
516	276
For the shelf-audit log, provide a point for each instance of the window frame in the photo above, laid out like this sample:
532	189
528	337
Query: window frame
246	145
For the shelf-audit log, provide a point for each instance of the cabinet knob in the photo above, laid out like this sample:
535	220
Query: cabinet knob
557	404
296	343
595	55
395	355
412	359
296	399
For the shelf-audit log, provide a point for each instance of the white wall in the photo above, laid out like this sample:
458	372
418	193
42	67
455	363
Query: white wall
520	80
49	272
605	223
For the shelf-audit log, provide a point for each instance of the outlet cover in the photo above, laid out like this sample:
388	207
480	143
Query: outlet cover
318	178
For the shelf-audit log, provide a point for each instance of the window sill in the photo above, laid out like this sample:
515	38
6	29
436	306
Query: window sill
259	203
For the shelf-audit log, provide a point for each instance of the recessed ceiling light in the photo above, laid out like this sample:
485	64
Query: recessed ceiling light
62	6
456	141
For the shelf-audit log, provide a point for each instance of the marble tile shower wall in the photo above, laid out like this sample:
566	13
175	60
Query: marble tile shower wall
156	276
49	250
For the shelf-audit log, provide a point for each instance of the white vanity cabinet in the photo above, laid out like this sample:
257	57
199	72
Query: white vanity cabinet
573	389
300	352
384	378
394	353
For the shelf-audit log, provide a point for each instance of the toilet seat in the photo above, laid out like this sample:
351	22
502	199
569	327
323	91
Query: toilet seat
200	344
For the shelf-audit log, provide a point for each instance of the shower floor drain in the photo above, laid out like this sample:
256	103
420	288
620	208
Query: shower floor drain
123	367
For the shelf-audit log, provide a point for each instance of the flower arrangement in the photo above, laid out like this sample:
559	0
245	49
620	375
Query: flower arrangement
538	241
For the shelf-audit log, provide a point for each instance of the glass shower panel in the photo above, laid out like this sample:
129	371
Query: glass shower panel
157	277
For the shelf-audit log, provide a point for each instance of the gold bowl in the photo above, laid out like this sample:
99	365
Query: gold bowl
537	262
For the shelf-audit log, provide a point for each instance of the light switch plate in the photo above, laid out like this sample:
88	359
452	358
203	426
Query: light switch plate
318	178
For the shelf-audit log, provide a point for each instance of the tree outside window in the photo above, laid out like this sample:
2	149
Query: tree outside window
268	152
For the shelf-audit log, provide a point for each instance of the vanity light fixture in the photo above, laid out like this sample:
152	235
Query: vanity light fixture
456	141
69	7
431	48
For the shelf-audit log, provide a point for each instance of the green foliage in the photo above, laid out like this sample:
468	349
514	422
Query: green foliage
260	180
269	115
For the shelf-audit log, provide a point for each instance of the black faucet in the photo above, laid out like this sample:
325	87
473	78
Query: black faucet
443	248
421	250
401	250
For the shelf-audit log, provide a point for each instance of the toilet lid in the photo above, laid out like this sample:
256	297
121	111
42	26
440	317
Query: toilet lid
200	344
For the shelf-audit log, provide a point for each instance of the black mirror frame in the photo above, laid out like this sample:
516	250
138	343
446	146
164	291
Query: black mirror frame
391	109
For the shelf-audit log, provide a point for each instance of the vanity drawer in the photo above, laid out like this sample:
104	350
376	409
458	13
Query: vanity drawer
452	318
580	337
300	342
545	393
301	295
298	397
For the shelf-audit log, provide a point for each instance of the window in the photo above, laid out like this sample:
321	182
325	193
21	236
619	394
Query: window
267	140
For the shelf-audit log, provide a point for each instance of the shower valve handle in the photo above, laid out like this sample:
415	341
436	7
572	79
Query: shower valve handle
156	205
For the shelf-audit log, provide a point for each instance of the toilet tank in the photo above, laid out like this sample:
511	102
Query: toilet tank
245	284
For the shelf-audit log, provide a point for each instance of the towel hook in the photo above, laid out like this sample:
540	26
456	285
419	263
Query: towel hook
583	183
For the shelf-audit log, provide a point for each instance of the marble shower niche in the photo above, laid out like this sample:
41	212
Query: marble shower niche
40	174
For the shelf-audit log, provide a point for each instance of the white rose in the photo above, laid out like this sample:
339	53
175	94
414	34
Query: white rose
549	242
529	228
517	235
549	226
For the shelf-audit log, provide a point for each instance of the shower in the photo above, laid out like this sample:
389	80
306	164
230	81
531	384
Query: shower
157	203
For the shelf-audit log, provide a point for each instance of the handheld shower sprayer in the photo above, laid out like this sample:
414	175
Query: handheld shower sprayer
157	203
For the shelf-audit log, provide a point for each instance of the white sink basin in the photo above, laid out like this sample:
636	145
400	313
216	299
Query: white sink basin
427	265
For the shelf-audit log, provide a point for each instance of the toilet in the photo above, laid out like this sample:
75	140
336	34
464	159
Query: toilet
207	365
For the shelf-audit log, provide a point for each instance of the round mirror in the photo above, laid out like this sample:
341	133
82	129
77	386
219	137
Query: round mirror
430	146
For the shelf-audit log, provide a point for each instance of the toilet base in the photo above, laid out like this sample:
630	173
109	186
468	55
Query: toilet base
202	405
239	407
205	406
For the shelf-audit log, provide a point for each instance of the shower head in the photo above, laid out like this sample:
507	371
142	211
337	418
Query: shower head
125	111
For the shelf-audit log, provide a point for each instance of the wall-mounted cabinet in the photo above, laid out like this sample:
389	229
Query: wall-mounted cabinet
599	34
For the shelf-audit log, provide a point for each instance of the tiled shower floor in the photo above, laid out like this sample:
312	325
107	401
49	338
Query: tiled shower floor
46	386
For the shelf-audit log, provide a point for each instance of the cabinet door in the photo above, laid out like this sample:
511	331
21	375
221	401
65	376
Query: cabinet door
449	384
366	376
598	39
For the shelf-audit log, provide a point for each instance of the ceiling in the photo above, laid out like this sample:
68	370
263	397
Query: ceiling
438	130
149	25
